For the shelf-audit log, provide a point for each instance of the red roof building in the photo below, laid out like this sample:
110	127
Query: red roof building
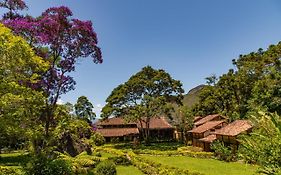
123	130
213	117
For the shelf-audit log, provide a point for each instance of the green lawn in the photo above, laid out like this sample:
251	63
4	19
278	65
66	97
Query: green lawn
128	170
206	166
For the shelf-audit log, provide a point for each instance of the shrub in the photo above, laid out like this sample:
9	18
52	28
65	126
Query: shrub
120	160
263	145
98	139
8	171
106	168
82	163
41	165
223	152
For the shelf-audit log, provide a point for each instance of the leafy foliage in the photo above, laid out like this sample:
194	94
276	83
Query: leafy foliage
41	165
82	163
60	40
97	139
223	152
84	109
144	96
9	171
252	85
263	146
106	168
185	123
19	103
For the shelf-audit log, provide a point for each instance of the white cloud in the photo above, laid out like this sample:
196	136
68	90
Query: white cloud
60	102
98	108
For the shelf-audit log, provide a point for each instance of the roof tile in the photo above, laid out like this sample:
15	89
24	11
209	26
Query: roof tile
235	128
206	126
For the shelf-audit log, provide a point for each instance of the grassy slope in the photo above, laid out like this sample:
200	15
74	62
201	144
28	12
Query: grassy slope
128	170
206	166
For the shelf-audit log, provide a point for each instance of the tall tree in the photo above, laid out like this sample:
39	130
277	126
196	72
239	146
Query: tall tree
185	119
60	40
253	84
84	109
19	102
144	96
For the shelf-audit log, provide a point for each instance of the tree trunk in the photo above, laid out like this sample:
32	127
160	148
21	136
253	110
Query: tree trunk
147	132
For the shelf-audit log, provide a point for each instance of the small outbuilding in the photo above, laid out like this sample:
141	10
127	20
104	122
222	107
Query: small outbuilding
229	133
204	131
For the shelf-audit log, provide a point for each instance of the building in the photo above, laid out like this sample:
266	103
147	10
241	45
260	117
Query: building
229	133
215	127
202	134
213	117
117	128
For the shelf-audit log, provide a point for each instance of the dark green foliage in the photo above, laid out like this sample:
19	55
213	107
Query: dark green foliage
185	119
263	146
15	159
222	152
8	171
106	168
254	84
120	160
41	165
84	109
145	95
97	139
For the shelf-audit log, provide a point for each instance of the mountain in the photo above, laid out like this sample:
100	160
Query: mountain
192	97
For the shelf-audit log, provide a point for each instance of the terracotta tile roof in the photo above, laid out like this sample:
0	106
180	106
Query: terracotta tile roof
206	126
235	128
113	121
196	118
209	138
118	132
207	118
155	123
158	123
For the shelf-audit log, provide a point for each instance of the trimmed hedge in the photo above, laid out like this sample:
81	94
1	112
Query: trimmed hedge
179	152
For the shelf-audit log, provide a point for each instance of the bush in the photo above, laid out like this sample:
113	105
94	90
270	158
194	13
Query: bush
223	152
106	168
41	165
8	171
120	160
98	139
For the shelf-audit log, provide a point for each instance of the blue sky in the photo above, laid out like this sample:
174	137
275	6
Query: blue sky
189	39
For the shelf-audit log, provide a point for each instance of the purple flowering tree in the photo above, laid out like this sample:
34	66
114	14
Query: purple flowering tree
13	7
61	40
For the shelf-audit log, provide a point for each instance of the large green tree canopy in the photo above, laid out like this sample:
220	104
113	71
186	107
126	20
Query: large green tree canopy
254	84
19	67
144	96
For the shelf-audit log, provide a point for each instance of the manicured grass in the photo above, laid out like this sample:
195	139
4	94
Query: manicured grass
128	170
206	166
107	155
